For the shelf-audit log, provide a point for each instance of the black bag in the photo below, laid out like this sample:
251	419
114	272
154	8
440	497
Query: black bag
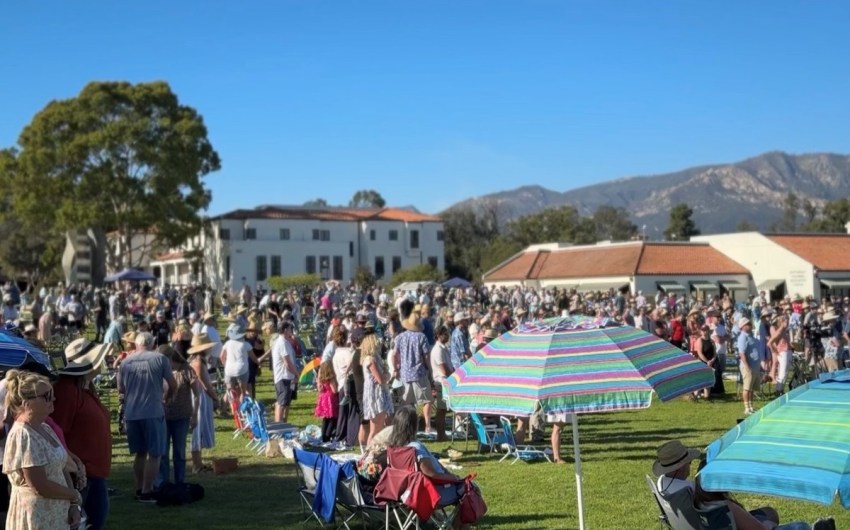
178	494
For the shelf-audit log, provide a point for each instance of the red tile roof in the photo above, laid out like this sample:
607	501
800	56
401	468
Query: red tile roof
626	259
170	256
331	214
694	259
826	252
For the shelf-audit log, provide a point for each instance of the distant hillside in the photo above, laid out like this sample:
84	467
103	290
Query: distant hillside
721	195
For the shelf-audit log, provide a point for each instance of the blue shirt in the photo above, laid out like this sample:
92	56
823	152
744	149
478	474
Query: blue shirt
413	355
747	347
459	346
428	330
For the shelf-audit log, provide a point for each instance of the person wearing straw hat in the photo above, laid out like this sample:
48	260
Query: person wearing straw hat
673	467
203	435
459	348
236	356
140	379
209	329
85	422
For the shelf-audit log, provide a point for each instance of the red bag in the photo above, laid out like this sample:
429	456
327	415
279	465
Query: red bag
472	505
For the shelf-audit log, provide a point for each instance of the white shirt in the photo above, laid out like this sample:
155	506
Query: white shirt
440	356
669	485
328	353
236	362
212	333
342	362
281	349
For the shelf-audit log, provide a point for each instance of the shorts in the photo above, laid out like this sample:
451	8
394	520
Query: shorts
146	436
438	399
751	378
230	379
417	392
283	390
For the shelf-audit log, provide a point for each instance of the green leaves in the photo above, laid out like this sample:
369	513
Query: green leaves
367	199
119	156
682	225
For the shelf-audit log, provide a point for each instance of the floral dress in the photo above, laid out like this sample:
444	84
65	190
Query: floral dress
376	396
27	447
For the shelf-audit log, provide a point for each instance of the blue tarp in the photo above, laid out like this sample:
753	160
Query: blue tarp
456	282
130	275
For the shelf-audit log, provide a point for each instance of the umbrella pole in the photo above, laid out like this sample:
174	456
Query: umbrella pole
577	453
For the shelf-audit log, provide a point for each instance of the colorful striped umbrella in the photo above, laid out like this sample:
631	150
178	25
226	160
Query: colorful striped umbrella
308	375
573	365
796	446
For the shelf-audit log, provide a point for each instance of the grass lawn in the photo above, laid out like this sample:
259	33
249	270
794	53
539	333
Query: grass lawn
617	451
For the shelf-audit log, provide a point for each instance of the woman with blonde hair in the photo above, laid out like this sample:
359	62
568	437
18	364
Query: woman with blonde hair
42	492
377	403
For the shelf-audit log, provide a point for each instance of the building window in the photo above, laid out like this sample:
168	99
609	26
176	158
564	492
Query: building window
414	239
432	261
84	255
250	233
440	235
393	235
262	270
224	233
379	266
321	235
275	265
227	268
372	235
326	235
351	249
84	269
337	267
396	263
325	267
316	235
284	235
311	265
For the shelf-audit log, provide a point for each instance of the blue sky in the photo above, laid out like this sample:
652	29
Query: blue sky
430	102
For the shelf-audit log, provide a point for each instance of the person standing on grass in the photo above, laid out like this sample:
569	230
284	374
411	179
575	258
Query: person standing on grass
327	402
203	435
181	414
140	379
283	367
414	362
750	363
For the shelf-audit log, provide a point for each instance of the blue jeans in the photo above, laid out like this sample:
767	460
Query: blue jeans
176	433
96	503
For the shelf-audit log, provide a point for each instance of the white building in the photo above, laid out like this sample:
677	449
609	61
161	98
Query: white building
249	246
815	265
637	265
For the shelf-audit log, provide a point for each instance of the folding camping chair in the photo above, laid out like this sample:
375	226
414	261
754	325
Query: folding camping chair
487	435
354	504
519	452
402	484
677	511
307	468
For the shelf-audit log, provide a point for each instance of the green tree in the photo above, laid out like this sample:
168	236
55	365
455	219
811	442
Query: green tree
417	273
549	225
614	224
834	217
118	157
363	277
810	211
367	199
788	221
295	281
681	226
466	234
317	203
497	251
745	226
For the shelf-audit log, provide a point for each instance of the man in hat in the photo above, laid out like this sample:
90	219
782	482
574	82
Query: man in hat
459	349
140	380
673	467
160	329
210	330
750	361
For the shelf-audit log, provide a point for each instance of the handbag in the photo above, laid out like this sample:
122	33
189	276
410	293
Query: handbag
472	505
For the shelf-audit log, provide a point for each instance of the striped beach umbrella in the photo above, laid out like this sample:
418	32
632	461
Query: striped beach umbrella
573	365
796	446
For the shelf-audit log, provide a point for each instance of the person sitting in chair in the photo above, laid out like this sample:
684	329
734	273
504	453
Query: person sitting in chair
673	467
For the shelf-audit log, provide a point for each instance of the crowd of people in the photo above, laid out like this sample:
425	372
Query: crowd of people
379	352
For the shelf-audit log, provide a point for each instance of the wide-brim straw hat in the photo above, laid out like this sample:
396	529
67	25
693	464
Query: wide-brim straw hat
829	315
84	357
744	322
129	337
491	334
200	342
672	456
412	323
235	332
241	310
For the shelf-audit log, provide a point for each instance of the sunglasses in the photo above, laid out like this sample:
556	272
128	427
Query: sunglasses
47	396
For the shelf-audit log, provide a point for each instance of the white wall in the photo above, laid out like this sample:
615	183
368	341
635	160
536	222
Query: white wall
766	261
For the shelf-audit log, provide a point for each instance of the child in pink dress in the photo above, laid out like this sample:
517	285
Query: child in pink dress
327	404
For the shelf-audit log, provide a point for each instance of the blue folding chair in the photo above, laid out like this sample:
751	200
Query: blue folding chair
487	435
519	452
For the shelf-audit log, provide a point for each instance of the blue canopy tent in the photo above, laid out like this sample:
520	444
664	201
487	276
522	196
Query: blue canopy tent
130	275
457	282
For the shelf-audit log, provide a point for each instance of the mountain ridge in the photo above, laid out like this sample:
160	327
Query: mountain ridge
721	195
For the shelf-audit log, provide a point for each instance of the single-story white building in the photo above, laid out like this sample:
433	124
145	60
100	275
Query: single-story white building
637	265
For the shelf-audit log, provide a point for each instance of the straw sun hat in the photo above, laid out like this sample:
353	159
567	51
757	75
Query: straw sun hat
84	357
200	342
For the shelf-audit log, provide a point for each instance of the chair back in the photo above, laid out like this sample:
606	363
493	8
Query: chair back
677	508
509	432
307	467
480	431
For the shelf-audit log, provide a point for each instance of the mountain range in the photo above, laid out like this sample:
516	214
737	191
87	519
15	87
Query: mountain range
721	195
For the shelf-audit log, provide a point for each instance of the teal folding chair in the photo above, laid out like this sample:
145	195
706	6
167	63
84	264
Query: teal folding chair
525	453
